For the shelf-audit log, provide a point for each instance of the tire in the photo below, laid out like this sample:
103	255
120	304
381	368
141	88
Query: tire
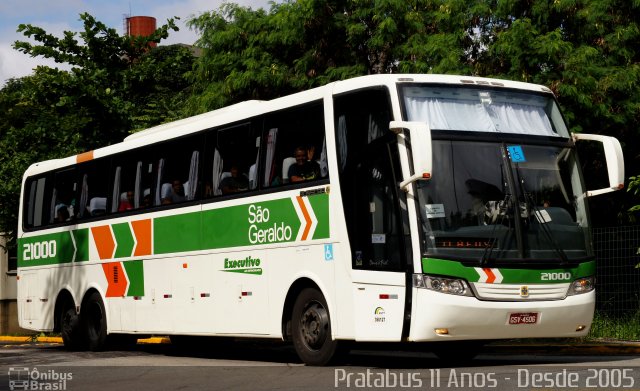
311	328
94	322
70	328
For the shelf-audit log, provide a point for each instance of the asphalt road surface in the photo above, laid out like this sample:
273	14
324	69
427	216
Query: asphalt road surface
252	365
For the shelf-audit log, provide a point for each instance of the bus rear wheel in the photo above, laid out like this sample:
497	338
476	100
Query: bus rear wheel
70	329
311	328
94	321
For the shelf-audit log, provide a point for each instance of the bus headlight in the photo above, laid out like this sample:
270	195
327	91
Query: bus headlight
452	286
582	285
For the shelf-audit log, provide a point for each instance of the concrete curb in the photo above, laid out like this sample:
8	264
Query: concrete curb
154	340
27	339
30	339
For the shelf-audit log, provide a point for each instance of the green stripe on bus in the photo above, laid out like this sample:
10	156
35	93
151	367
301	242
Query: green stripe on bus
46	249
81	237
124	240
320	205
509	275
177	233
274	221
225	227
135	274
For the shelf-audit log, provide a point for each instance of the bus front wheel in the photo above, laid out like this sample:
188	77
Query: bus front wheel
94	320
311	328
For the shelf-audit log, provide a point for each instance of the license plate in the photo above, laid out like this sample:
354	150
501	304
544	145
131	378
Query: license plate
523	318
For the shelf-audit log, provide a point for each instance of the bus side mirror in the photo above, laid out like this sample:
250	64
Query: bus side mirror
614	158
420	139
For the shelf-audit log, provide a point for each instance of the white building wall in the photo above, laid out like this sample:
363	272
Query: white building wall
8	295
8	288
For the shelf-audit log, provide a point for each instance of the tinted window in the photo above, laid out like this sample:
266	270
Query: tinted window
178	165
65	196
132	179
38	202
232	157
93	188
295	147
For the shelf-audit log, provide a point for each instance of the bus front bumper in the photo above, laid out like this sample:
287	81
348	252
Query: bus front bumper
441	317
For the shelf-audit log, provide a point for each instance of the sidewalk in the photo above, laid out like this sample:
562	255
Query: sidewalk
580	348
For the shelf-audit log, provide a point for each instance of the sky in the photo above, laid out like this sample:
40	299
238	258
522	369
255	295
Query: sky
57	16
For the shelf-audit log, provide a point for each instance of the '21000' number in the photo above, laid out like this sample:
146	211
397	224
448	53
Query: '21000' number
39	250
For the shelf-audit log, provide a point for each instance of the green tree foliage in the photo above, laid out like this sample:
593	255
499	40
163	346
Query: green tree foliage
114	78
300	44
116	84
251	54
586	51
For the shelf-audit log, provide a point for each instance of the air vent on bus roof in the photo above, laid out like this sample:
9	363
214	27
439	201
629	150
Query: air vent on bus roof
482	82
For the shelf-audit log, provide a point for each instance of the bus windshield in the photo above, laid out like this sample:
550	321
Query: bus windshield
482	205
484	110
515	197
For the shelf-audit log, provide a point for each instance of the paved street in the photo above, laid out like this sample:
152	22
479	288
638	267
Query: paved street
249	365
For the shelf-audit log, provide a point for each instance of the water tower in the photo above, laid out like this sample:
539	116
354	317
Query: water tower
140	26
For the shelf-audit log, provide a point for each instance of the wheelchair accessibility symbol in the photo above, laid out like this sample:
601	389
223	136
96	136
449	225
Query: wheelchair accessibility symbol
328	252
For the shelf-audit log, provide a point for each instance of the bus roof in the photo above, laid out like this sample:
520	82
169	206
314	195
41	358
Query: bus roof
247	109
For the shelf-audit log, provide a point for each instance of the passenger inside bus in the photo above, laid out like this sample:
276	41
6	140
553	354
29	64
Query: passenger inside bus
146	199
62	213
234	182
126	202
175	194
305	168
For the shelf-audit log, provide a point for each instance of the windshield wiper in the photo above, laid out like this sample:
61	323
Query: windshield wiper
517	219
531	205
502	207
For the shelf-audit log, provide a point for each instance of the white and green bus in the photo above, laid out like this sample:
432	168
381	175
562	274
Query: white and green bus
433	209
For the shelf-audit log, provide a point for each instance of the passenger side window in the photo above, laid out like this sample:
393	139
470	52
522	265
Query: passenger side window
39	202
132	178
232	157
64	202
295	146
93	188
178	163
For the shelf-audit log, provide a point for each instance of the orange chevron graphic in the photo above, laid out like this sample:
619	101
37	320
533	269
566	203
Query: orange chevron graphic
142	232
490	276
116	279
104	241
307	218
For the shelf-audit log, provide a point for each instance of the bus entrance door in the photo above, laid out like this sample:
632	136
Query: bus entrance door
376	224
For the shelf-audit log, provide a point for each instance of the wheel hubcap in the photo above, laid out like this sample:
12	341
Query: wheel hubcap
315	324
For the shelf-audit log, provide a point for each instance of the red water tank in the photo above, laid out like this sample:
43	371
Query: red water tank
141	26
